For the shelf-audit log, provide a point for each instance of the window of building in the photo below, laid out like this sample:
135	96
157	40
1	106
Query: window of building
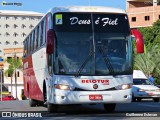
7	17
18	74
6	25
23	18
23	26
9	75
133	19
31	18
15	43
15	34
23	34
7	42
147	18
159	16
15	17
15	26
7	34
31	26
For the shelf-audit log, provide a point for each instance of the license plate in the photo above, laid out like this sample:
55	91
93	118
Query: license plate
95	97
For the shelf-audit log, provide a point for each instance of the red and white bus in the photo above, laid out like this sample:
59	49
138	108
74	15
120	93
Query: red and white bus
79	55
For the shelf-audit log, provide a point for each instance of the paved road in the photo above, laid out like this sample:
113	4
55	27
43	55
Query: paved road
21	108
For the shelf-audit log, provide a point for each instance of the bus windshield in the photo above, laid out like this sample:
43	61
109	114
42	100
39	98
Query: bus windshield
90	48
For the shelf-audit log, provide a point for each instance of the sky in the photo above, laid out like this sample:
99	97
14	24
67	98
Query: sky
42	6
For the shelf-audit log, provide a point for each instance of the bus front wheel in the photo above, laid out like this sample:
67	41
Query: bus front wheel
52	108
110	107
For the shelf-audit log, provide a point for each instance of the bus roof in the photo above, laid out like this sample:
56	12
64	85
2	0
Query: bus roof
87	9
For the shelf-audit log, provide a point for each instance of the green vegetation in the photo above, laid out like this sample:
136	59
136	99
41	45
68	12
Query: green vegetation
14	64
149	61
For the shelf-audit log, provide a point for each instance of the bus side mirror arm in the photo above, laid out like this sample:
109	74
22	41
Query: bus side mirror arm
50	41
139	40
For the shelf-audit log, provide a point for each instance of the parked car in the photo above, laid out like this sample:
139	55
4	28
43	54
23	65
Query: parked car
142	88
8	98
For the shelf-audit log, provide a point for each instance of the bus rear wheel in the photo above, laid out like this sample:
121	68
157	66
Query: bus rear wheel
32	103
110	107
52	108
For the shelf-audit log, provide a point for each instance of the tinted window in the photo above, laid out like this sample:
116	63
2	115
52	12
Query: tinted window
141	82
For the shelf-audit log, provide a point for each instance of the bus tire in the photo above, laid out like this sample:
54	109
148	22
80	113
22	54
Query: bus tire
32	103
139	99
156	99
133	98
52	108
110	108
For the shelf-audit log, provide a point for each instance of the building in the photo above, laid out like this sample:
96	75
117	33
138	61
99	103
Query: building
10	53
14	27
142	13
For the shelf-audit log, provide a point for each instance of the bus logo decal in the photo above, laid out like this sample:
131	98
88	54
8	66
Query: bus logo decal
59	20
95	86
104	82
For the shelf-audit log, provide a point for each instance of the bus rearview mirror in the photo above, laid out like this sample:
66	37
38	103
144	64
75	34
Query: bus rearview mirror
139	40
50	41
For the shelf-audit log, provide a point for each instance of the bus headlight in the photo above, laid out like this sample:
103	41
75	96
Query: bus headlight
124	87
63	87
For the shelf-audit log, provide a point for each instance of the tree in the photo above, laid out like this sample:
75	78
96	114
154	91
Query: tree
14	64
148	62
10	72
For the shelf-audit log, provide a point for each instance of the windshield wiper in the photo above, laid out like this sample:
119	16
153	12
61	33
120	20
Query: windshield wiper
107	61
84	63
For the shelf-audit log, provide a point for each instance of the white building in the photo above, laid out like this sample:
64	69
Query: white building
14	27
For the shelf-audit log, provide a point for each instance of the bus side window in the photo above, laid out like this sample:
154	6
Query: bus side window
41	33
30	43
38	36
24	50
27	45
44	32
33	40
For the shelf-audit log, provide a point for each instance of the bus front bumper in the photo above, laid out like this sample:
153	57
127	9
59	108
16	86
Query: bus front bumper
81	97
